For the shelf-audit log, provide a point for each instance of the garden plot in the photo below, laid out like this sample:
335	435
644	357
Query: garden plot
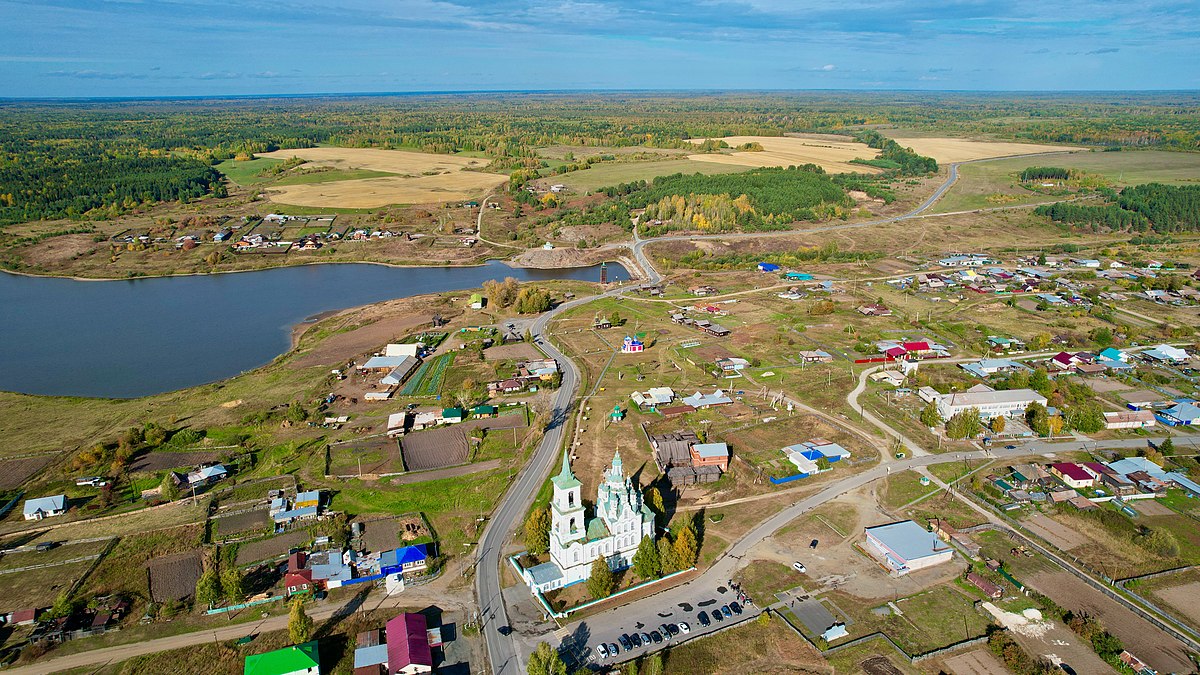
161	461
272	547
14	472
377	455
226	526
174	577
434	449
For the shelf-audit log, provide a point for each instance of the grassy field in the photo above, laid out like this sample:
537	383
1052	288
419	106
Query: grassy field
330	176
246	172
901	488
998	180
604	175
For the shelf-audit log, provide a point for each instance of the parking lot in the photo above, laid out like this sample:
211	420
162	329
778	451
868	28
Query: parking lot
581	647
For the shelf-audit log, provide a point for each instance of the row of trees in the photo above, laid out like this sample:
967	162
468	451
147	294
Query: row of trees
221	580
907	162
1045	173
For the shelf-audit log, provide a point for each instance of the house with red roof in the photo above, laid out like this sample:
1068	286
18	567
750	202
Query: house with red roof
1063	361
408	648
1072	475
300	581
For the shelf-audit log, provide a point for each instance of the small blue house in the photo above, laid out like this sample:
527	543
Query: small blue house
798	276
767	267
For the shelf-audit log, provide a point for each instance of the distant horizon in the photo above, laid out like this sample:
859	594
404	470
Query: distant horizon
568	92
55	49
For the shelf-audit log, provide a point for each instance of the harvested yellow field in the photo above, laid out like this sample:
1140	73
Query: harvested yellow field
832	155
369	193
420	178
962	150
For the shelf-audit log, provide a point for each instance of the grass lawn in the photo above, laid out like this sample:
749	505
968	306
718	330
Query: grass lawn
764	578
932	619
38	588
246	173
878	650
902	488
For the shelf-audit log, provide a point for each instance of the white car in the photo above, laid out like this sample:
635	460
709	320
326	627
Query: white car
684	628
799	567
602	651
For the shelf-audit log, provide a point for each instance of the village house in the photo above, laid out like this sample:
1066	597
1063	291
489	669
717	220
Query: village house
300	659
652	398
988	588
406	649
700	400
684	460
874	310
816	356
1072	475
45	507
1129	419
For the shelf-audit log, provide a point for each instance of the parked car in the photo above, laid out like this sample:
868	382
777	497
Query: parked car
602	651
613	649
799	567
626	642
702	617
646	639
656	636
684	628
672	629
665	630
737	609
716	613
726	611
636	640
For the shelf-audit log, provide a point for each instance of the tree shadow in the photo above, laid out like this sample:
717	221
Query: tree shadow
342	614
574	647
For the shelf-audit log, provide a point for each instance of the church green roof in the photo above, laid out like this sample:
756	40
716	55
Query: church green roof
565	480
596	529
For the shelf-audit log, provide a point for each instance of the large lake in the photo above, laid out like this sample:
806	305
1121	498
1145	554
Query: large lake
137	337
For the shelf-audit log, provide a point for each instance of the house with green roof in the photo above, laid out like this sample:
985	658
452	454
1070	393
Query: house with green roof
294	660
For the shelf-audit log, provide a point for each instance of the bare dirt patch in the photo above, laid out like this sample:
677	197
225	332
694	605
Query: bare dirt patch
1182	598
1149	507
540	258
242	522
173	577
1101	386
376	455
832	155
421	178
14	472
976	662
879	665
1162	652
363	330
271	548
434	449
517	350
1056	533
59	250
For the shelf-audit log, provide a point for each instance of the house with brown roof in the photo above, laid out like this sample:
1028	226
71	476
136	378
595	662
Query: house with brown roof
989	589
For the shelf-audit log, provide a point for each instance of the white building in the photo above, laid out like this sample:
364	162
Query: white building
614	533
991	403
906	547
412	349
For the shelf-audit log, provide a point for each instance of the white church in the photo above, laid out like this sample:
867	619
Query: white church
620	522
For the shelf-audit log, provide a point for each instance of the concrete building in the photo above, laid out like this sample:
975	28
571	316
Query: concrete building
905	546
989	402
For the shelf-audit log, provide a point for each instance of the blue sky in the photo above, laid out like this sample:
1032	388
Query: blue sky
215	47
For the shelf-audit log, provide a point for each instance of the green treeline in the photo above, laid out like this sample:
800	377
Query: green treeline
908	163
1139	208
70	182
1045	173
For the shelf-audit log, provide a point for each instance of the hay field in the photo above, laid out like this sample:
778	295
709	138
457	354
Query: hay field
419	178
832	155
962	150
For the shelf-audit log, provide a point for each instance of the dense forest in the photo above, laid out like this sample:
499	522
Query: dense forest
38	182
1140	208
46	141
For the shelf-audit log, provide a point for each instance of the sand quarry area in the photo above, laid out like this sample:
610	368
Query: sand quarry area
834	155
421	178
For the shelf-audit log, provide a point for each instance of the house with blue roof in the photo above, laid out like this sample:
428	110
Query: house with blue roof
1113	354
767	267
45	507
407	560
1166	354
1183	413
1130	465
